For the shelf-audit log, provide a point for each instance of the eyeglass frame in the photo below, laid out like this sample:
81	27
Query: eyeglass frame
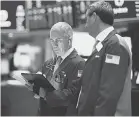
55	41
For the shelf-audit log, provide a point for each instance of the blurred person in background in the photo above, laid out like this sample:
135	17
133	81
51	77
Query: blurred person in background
11	61
61	101
106	84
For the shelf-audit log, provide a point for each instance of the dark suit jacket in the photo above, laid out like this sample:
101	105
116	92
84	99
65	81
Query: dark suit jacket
62	102
103	83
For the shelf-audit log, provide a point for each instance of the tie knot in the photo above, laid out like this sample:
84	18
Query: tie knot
59	59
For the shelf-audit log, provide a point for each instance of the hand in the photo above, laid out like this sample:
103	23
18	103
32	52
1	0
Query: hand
36	96
42	93
36	89
29	86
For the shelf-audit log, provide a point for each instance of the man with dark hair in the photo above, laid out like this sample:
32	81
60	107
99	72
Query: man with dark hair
106	84
103	10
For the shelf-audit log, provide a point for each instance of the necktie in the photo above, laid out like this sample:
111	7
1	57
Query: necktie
58	62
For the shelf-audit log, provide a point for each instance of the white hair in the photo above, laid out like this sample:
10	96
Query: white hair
63	28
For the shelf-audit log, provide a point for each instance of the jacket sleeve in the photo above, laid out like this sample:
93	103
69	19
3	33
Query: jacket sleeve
112	80
65	96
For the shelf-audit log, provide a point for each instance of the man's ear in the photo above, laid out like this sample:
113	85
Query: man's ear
70	42
94	17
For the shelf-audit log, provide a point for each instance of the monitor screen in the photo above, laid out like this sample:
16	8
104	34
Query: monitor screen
13	18
47	15
124	10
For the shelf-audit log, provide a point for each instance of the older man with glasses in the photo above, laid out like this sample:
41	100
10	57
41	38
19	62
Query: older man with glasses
61	71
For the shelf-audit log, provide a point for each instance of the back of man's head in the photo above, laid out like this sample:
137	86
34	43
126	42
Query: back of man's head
103	10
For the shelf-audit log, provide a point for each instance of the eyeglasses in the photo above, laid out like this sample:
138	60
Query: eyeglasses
56	41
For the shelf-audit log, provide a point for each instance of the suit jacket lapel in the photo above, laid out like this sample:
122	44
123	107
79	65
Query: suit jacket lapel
112	33
106	39
66	61
93	53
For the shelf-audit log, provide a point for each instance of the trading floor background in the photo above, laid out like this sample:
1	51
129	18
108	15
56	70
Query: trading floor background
25	27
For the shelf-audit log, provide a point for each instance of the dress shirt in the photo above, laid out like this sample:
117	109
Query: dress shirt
102	35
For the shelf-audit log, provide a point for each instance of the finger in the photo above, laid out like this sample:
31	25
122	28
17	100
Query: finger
36	96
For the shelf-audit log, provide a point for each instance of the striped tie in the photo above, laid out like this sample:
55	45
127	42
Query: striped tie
58	62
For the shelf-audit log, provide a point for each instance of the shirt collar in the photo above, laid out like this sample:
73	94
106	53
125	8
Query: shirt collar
67	53
102	35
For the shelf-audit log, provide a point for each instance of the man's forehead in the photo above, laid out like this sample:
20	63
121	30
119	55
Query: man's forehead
56	34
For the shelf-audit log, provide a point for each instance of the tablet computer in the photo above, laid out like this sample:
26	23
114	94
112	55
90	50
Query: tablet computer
38	80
